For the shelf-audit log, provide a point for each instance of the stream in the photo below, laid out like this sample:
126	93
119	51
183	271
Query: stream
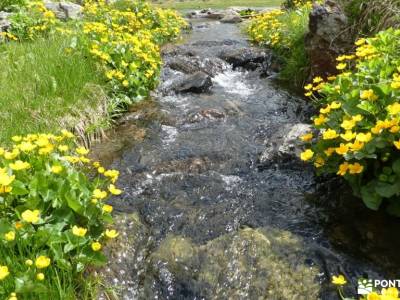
203	214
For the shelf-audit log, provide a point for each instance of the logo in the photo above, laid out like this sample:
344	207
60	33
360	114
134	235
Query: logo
365	286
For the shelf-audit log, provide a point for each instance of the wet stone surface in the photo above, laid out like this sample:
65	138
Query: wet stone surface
206	222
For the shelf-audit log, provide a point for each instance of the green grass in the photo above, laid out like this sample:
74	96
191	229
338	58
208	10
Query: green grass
198	4
41	85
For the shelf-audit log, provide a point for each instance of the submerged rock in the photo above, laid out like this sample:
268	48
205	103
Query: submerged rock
248	58
248	264
231	16
198	82
190	64
329	36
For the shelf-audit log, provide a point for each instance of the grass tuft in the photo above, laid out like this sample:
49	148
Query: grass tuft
41	84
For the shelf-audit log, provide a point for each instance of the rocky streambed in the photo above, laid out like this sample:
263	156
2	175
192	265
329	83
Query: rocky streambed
216	204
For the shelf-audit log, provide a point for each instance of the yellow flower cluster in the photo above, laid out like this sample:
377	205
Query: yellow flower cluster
44	184
359	118
127	42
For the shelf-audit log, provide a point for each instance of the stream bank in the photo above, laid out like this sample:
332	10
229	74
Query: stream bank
216	204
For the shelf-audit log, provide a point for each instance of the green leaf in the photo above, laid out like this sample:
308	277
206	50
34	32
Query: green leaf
386	190
18	188
371	199
396	166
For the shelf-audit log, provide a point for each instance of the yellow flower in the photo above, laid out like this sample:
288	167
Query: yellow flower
67	133
357	118
11	155
341	66
348	124
6	179
4	272
101	170
356	146
318	79
331	78
56	169
40	276
394	108
395	129
390	292
328	152
368	95
348	136
339	280
79	231
96	164
360	42
319	162
355	168
125	83
111	233
29	262
342	149
31	216
113	190
364	137
373	296
330	134
325	110
96	246
308	87
321	119
82	151
307	137
336	105
63	148
307	155
26	146
19	165
308	94
42	262
10	236
107	208
397	144
99	194
16	138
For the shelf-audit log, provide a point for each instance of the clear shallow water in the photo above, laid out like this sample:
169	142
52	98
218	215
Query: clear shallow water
200	220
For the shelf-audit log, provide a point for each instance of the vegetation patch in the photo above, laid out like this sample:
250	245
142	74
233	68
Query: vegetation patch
53	219
106	61
283	30
358	125
199	4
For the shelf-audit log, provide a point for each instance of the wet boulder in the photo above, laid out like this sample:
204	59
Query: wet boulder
284	146
247	58
198	82
231	16
189	65
329	36
248	264
65	10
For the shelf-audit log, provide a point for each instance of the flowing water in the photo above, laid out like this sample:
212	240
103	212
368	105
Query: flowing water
201	220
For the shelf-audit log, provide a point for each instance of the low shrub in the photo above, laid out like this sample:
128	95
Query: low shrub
359	121
11	5
283	31
53	219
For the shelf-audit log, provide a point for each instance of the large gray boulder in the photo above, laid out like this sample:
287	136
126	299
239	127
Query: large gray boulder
198	82
5	23
329	36
65	10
